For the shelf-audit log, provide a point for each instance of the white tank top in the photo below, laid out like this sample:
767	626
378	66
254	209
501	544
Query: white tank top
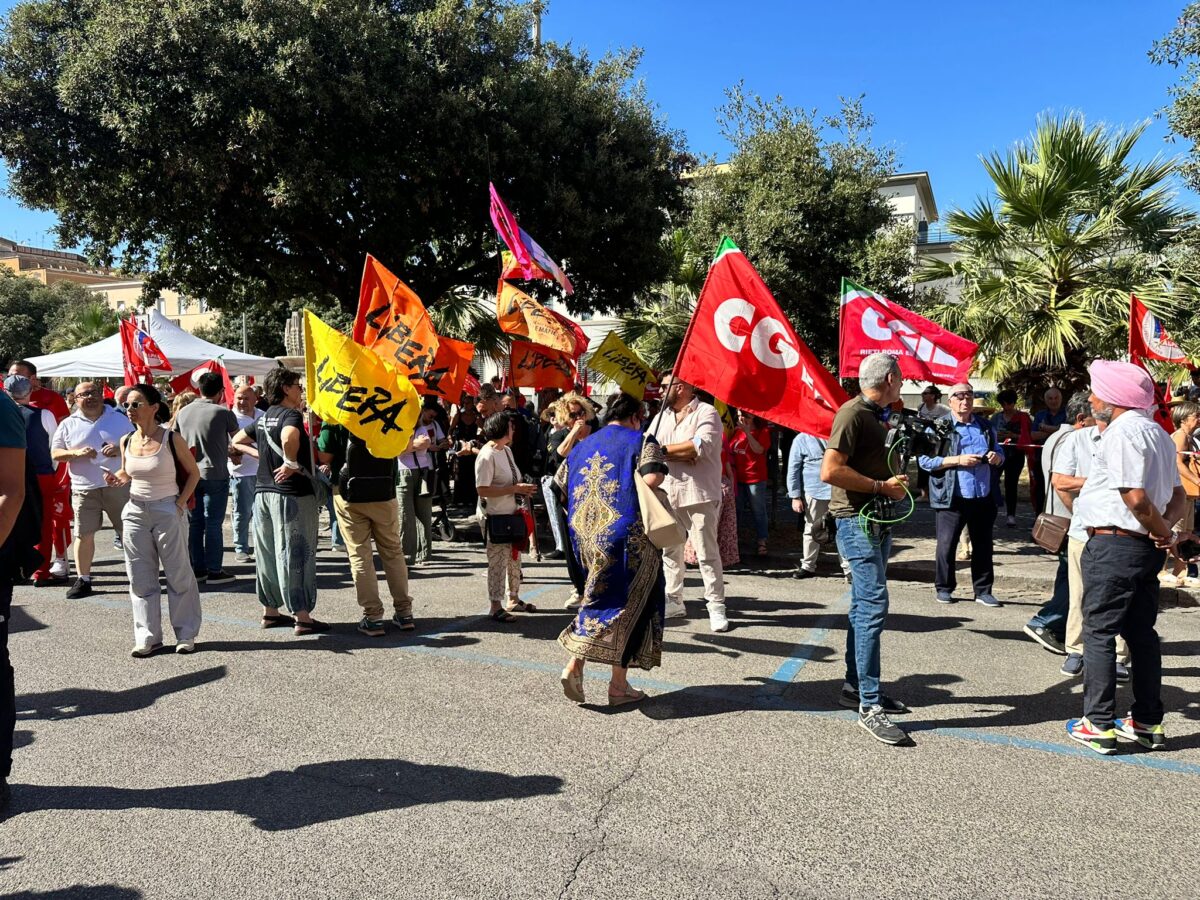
152	477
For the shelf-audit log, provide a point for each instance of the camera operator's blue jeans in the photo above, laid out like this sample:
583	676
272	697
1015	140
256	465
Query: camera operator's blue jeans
867	557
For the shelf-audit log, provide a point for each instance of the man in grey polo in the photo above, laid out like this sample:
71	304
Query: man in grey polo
88	441
206	425
1128	505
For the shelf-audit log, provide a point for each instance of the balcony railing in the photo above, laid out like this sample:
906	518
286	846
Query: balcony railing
936	234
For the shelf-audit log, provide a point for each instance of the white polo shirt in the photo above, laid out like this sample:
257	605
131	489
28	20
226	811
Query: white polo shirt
1133	452
77	431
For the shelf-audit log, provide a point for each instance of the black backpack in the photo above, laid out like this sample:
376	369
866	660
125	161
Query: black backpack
365	478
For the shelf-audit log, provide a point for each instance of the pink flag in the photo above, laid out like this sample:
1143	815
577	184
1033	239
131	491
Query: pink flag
528	257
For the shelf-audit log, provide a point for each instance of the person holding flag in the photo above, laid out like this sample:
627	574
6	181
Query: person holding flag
856	466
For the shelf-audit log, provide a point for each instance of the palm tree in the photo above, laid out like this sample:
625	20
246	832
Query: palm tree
1046	268
655	330
461	314
80	326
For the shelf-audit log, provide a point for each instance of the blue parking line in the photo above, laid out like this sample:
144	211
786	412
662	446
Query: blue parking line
791	667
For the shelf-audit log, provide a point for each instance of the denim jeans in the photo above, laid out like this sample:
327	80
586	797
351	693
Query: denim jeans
867	556
557	522
756	496
1053	614
243	511
206	520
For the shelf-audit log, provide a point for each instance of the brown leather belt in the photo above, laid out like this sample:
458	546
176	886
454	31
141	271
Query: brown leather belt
1122	532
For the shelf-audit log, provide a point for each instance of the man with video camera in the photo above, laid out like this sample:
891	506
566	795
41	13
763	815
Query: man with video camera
856	465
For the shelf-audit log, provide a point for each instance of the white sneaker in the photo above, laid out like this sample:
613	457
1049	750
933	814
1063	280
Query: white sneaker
60	568
572	601
675	610
716	617
143	650
1012	520
185	647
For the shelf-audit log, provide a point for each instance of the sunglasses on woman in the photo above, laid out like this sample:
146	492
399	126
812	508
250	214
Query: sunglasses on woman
134	404
579	414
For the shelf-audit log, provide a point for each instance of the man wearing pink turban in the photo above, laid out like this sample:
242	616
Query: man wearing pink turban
1128	505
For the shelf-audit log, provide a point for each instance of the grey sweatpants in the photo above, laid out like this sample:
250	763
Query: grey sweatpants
155	534
285	541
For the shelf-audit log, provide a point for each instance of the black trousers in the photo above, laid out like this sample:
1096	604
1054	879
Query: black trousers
1120	596
8	697
979	518
1014	462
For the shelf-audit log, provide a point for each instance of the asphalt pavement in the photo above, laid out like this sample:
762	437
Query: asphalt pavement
447	763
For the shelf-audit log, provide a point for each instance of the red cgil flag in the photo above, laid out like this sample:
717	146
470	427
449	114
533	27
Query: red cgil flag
740	348
189	380
140	354
870	323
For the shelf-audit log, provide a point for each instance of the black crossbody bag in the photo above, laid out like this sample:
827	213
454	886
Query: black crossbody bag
506	528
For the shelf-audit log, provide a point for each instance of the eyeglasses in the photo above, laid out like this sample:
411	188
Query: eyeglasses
963	395
86	393
134	404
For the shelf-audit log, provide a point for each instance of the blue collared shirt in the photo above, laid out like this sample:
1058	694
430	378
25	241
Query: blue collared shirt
973	439
804	469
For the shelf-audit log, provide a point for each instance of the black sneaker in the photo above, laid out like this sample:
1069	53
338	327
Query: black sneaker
373	627
1046	638
1122	673
220	577
945	597
803	573
877	724
79	590
5	795
555	554
849	699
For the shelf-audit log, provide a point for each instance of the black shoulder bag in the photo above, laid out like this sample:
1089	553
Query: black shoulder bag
506	528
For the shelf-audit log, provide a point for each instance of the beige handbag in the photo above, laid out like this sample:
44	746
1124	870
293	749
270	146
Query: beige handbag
662	528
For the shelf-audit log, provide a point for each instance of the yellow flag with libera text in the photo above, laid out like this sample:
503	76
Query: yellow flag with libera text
351	385
614	360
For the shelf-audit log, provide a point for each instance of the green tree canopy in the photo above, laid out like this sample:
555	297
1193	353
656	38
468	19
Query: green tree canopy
1046	268
31	312
801	198
251	152
78	324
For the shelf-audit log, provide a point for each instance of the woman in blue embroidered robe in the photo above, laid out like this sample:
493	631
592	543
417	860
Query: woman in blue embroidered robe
620	620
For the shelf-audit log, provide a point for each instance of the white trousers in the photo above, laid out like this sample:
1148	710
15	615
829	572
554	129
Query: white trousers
701	523
156	534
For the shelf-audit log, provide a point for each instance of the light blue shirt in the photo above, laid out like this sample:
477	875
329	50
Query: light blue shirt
804	469
975	482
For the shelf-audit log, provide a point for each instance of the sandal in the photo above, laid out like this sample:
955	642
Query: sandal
521	606
311	627
572	685
762	548
501	615
629	695
278	621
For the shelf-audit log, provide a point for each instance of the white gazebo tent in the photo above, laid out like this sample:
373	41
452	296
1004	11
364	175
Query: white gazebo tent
185	351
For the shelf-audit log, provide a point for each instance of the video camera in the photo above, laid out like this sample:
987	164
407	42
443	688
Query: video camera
910	435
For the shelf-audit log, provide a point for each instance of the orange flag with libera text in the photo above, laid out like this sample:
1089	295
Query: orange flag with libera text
520	314
448	374
540	367
393	321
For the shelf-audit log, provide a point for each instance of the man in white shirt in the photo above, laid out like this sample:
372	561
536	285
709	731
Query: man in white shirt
689	433
88	441
1128	505
243	471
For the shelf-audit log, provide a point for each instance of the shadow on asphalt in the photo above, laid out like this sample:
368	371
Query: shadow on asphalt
310	794
80	892
73	703
20	620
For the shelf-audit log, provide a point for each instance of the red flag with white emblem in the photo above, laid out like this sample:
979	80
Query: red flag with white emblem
871	323
1147	337
741	349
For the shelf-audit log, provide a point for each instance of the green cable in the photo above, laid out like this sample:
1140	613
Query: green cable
866	519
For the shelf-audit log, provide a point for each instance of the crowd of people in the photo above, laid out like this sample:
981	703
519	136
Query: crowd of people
163	470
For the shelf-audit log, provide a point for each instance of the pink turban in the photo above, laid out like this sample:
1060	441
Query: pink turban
1122	384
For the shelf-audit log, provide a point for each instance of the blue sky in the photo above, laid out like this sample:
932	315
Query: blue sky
945	81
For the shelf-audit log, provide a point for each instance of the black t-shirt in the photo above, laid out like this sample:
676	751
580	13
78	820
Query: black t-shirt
273	422
858	432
